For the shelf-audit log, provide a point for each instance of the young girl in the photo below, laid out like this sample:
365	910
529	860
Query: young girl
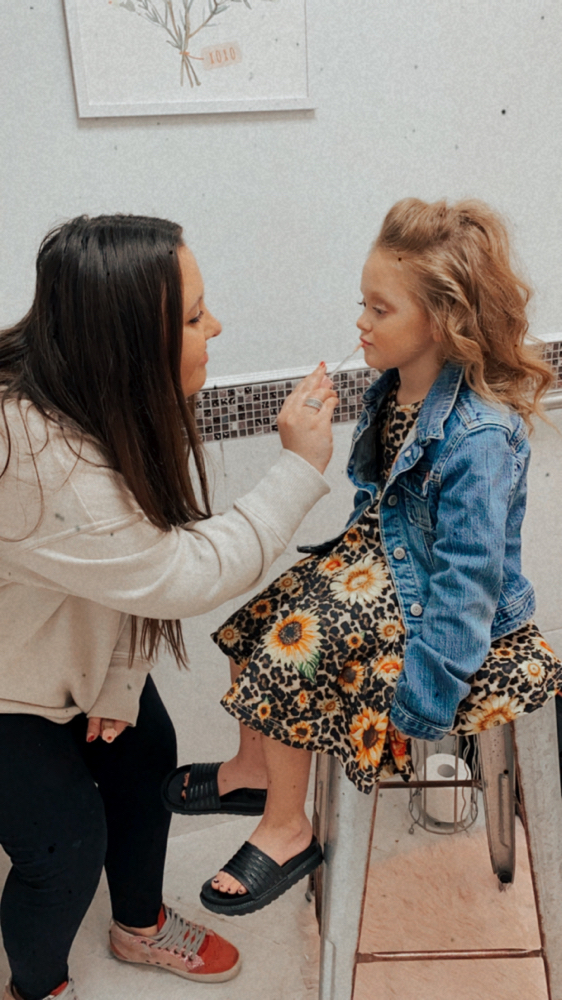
103	547
416	621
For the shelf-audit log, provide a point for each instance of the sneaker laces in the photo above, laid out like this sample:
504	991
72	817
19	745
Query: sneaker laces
178	935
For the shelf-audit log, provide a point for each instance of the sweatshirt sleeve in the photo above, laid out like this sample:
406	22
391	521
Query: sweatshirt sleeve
121	690
124	562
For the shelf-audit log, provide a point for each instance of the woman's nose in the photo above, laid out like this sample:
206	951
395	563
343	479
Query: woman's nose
214	328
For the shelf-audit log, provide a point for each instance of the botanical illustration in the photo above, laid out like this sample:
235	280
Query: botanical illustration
182	21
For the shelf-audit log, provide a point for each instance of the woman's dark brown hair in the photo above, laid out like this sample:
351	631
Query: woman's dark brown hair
100	350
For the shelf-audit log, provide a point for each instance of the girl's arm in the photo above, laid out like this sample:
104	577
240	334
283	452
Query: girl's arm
483	484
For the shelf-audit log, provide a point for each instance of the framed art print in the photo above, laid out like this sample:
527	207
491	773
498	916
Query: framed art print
157	57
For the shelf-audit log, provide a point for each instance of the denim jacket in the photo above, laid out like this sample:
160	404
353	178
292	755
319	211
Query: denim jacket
450	521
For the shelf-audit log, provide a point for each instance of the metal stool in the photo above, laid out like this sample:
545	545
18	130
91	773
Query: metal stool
344	820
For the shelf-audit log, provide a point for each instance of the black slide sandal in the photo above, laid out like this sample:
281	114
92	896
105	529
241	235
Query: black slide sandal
264	879
202	793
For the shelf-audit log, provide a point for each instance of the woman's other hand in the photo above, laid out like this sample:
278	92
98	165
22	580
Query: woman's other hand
305	429
108	729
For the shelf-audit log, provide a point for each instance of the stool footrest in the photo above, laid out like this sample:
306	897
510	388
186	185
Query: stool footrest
422	956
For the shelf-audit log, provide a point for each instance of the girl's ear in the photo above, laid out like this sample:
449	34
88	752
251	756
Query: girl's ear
435	331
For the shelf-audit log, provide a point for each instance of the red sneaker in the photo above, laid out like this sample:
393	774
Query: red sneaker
65	992
181	947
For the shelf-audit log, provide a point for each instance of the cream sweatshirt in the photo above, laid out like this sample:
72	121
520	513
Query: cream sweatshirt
78	557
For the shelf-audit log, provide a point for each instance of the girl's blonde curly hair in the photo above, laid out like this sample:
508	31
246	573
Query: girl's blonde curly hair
458	257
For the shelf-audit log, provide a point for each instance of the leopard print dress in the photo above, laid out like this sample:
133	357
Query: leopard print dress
322	647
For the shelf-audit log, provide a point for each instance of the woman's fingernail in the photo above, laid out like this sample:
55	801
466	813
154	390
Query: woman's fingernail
322	364
109	735
90	738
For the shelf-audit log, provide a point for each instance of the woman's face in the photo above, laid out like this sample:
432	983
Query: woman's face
199	325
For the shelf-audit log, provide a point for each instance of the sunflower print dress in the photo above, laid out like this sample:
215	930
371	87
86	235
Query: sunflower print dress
322	647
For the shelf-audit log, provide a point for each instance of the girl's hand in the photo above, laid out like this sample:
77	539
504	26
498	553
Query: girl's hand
108	729
305	430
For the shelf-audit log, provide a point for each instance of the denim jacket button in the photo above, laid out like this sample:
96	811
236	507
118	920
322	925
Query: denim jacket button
399	552
416	610
392	500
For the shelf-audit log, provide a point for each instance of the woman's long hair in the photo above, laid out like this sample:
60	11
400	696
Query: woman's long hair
458	257
99	352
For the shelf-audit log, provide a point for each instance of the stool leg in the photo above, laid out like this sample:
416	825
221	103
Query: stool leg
536	752
497	764
349	825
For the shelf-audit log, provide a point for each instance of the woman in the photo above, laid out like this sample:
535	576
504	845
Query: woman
106	542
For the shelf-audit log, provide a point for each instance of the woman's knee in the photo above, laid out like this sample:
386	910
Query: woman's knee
65	855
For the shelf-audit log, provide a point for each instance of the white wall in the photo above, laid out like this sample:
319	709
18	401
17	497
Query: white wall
280	208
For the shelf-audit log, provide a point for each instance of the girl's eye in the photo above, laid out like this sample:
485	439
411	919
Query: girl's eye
196	319
379	311
362	303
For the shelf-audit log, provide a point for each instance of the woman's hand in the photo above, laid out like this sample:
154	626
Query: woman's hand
108	729
305	429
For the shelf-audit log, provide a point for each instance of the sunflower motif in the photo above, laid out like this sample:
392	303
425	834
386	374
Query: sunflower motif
368	733
330	706
231	694
534	671
398	747
302	699
350	677
264	710
301	732
353	537
331	565
294	639
355	639
261	609
362	582
542	644
388	628
494	711
287	582
229	635
504	653
388	667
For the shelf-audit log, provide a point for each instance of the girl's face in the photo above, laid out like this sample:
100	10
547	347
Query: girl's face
395	330
199	325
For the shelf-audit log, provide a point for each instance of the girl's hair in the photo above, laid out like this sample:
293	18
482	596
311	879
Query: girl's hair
459	259
99	352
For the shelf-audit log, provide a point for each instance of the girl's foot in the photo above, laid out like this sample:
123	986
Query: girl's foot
234	774
279	843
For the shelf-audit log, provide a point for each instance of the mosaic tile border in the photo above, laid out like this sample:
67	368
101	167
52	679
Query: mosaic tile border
246	410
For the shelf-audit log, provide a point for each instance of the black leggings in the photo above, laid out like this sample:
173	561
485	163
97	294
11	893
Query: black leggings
59	830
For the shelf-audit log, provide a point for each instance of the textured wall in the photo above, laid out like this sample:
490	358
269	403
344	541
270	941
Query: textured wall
433	98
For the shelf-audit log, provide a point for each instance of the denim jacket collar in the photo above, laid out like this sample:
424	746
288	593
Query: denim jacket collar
437	405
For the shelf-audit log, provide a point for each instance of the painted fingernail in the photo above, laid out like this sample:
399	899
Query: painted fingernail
90	738
109	735
323	364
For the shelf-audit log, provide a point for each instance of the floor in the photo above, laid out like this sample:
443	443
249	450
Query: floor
280	944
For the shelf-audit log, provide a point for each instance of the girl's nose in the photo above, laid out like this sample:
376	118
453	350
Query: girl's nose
363	323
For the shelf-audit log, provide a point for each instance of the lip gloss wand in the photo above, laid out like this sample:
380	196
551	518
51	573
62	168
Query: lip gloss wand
344	362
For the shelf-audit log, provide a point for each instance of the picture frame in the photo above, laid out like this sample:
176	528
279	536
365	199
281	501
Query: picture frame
183	57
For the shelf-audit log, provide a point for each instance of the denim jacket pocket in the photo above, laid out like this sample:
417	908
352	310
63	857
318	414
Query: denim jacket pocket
417	511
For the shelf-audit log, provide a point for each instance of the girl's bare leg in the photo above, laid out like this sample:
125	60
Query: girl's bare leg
284	830
247	769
